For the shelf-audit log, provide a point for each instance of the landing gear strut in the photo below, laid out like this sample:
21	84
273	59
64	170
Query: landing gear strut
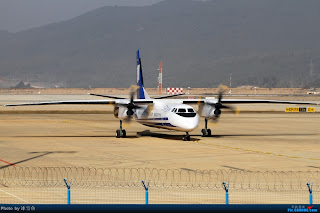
206	132
186	137
121	133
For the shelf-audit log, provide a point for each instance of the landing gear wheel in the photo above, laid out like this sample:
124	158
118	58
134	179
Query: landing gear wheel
186	137
209	132
205	132
121	133
124	133
118	133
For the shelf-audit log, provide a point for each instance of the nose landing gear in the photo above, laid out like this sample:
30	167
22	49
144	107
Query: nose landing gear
121	133
206	132
186	137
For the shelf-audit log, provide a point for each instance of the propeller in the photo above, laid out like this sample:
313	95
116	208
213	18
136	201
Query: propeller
218	105
131	106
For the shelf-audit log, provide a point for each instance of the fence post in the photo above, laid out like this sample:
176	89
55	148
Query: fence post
146	188
68	186
226	188
310	191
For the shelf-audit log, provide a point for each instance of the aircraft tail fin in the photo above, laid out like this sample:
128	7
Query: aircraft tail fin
141	92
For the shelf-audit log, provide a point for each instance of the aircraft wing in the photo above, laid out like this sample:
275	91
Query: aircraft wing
122	101
66	102
106	96
151	101
244	101
253	101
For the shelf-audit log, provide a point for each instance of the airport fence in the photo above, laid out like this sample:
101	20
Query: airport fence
48	185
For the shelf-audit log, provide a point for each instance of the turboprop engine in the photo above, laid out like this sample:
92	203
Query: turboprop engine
125	110
209	111
211	108
122	112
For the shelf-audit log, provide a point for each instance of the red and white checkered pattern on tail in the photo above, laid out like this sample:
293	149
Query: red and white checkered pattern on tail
174	90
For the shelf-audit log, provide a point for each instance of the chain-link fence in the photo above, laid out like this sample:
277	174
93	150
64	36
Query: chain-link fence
46	185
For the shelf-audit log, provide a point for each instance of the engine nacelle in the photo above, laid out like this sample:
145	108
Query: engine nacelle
209	111
120	112
116	111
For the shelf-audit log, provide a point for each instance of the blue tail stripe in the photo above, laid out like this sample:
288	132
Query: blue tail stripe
140	92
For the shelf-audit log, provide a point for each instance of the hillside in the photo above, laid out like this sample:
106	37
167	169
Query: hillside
263	43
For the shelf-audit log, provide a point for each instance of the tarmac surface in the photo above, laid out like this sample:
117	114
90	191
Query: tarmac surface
263	138
249	141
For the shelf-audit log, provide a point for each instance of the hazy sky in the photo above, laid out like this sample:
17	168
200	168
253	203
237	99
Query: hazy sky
17	15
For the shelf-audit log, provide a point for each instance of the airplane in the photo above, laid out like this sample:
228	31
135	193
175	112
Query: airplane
162	112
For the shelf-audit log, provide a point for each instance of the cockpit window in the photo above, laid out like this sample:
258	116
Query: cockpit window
190	110
186	113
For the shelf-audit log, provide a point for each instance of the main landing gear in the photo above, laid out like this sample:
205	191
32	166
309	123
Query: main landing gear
206	132
121	133
186	137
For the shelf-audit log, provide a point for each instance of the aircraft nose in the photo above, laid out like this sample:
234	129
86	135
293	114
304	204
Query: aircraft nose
191	124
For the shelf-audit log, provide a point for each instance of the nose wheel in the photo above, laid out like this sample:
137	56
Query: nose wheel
206	132
186	137
121	133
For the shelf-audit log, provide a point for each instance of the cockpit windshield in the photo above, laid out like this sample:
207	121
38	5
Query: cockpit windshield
189	112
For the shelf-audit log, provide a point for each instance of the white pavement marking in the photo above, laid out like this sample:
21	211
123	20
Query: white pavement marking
14	196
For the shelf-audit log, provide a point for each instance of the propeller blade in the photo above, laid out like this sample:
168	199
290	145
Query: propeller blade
134	87
200	106
213	122
131	97
126	122
150	108
130	106
237	110
223	87
231	108
219	97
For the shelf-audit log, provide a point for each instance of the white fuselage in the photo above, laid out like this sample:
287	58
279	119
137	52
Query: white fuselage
179	117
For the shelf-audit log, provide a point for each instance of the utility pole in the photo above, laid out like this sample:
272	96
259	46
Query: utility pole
160	79
311	68
230	84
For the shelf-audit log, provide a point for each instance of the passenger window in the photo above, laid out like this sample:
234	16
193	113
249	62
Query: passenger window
181	110
190	110
173	110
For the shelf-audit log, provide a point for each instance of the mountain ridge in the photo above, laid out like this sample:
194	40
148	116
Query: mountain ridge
262	43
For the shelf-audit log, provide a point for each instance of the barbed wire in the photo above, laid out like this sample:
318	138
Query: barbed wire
173	178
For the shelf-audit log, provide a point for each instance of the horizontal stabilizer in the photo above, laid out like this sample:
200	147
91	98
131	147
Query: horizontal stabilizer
106	96
169	96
